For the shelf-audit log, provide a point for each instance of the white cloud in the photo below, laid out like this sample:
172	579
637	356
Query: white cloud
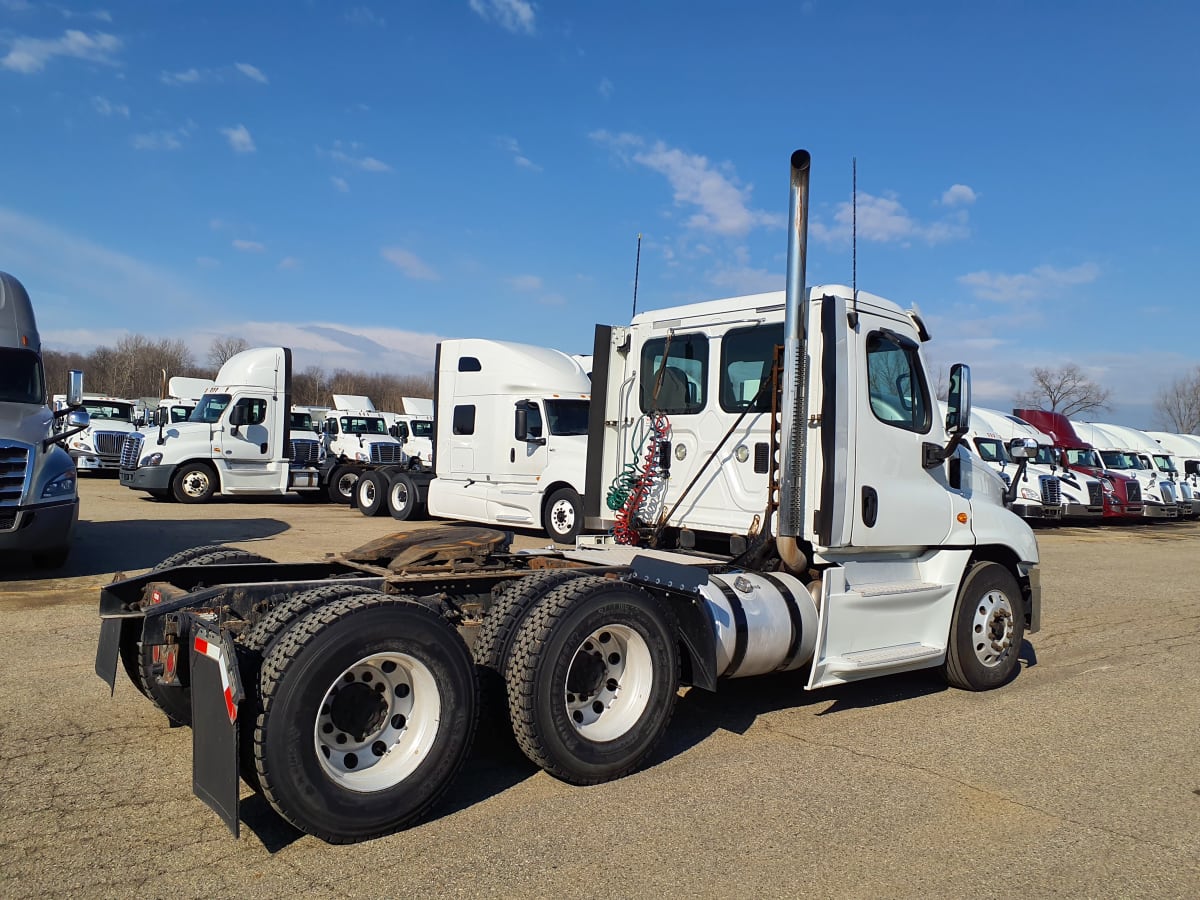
340	184
239	139
409	263
510	146
248	246
526	282
29	55
188	76
163	140
252	72
722	205
106	108
516	16
1043	282
289	262
605	89
959	195
885	220
334	345
348	155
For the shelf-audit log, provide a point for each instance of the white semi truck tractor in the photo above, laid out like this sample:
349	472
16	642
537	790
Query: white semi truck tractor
39	499
861	541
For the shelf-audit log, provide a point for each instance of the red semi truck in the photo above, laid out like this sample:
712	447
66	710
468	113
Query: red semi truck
1122	494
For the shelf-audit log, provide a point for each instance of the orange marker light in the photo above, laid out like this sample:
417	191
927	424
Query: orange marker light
962	518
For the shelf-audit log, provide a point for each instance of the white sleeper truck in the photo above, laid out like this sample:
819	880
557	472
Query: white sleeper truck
511	446
347	690
39	499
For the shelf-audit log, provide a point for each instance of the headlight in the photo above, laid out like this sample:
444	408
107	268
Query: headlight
1030	494
362	457
62	486
1107	484
80	444
152	460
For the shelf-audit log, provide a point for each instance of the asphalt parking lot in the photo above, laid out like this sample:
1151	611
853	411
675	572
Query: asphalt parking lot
1080	778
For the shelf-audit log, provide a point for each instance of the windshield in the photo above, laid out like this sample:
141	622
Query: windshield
1165	463
1084	458
21	379
991	450
301	421
1116	459
567	416
421	428
109	409
210	409
1045	456
363	425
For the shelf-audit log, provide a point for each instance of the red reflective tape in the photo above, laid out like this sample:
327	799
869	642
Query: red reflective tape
202	646
229	705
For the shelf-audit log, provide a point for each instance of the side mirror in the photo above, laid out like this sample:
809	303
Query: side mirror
958	401
1023	448
75	388
78	418
1191	467
160	416
521	427
239	415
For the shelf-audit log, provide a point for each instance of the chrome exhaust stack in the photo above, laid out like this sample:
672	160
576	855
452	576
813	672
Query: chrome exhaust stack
793	431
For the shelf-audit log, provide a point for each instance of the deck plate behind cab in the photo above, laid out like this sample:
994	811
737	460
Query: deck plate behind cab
443	546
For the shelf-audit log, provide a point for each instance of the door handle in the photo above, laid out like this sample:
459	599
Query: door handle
870	506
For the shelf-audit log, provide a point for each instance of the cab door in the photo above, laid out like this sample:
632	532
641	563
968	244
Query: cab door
249	450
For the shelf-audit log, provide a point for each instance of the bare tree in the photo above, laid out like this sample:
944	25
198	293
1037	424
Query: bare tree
1177	406
1065	390
222	348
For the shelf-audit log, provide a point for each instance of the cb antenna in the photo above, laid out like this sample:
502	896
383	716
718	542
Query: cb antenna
637	265
853	241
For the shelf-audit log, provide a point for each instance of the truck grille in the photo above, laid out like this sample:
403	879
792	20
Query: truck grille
14	469
387	453
303	452
1051	490
1095	493
131	451
108	443
1133	491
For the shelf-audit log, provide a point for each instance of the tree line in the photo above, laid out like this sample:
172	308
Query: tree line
132	368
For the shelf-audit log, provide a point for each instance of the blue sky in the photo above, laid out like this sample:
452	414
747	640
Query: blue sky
359	180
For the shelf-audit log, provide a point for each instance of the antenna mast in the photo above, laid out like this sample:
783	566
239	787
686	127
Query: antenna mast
637	265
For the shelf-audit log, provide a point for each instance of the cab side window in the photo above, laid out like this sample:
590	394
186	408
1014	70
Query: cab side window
896	382
747	355
256	409
674	374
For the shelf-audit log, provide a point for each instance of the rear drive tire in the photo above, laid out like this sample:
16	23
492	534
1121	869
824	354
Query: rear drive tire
402	500
194	483
369	706
983	651
372	493
592	679
154	660
563	515
494	642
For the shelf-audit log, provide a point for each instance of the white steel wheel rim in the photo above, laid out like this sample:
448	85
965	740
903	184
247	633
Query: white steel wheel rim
346	484
195	483
562	516
377	722
366	492
608	683
992	629
399	495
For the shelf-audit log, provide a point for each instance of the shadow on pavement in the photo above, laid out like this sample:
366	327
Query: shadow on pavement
98	548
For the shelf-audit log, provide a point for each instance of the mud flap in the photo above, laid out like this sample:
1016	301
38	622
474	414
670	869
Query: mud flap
216	691
108	652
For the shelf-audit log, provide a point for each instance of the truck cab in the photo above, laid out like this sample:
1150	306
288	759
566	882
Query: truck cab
1160	461
1159	500
237	440
39	499
98	447
1186	449
511	436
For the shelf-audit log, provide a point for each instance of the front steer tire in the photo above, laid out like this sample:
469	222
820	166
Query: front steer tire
592	679
984	647
194	482
385	756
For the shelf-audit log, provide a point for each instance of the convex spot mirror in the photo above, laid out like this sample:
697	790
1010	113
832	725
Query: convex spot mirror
1023	448
78	418
958	400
